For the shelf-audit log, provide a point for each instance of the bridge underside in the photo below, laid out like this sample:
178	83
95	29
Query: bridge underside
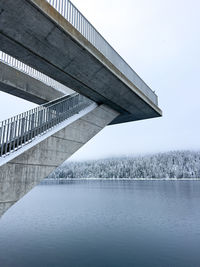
21	174
17	83
40	37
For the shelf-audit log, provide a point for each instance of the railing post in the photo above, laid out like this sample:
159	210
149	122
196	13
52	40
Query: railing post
23	128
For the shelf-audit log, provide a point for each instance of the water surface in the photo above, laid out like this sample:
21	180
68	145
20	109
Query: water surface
104	223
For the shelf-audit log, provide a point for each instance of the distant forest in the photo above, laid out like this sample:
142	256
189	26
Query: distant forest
177	164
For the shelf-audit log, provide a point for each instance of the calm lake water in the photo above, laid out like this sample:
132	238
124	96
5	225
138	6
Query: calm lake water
104	223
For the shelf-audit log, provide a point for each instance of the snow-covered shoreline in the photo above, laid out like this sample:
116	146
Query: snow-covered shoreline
119	179
170	165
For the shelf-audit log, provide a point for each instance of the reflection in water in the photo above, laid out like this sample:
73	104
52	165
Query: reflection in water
104	223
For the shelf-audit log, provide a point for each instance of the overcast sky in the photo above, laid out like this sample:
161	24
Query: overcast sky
160	39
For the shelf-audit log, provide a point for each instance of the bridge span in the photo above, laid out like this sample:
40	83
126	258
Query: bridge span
56	39
49	51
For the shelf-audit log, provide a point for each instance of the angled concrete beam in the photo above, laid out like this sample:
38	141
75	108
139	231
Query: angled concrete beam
22	173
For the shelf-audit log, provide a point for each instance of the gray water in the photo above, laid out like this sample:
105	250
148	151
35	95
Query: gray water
104	223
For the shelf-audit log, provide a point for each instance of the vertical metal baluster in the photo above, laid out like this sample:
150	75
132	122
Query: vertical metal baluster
39	121
32	125
15	133
58	113
53	117
7	135
22	131
46	120
42	120
70	13
64	9
67	10
58	120
25	127
50	118
36	122
62	108
74	17
18	130
86	29
70	107
29	126
1	135
61	116
59	7
11	134
82	26
3	140
82	31
56	108
65	108
78	21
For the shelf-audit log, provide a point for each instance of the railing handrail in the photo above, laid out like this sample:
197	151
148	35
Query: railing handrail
15	63
59	5
23	128
39	108
67	96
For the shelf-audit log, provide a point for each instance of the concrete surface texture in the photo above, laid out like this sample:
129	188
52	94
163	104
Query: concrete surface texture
35	33
17	83
21	174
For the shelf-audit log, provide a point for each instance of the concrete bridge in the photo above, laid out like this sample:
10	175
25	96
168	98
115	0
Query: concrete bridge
54	52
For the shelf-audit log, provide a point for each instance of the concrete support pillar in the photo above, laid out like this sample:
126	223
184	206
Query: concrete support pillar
20	175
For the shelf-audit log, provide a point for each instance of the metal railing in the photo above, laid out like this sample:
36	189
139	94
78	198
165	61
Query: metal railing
13	62
77	19
25	127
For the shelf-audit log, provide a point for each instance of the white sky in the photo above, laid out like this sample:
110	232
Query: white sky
160	39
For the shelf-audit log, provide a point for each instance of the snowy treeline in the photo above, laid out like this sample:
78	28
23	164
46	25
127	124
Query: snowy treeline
178	164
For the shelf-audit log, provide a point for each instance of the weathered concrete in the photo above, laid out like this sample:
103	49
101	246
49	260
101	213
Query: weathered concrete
15	82
22	173
35	33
